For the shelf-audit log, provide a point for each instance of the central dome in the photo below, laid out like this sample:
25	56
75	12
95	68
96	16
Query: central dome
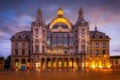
60	19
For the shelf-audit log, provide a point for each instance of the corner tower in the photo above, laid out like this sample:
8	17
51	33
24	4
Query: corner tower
38	34
82	31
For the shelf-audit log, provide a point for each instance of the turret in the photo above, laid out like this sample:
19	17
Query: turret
38	34
83	33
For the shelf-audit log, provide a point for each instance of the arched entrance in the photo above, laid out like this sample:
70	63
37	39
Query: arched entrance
60	63
65	63
42	63
16	63
28	64
54	63
23	64
49	64
71	63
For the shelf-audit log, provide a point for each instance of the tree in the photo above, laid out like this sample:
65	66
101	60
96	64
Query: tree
8	62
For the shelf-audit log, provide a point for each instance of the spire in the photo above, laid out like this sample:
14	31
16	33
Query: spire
39	14
60	12
95	28
81	13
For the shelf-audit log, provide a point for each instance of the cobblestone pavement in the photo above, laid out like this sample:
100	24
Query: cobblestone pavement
57	74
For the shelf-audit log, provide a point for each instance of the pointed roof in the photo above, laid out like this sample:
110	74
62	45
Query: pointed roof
81	13
39	14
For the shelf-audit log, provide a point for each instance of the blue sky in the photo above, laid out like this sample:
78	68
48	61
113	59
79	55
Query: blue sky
17	15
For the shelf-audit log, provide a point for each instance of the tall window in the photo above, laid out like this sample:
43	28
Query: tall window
83	42
43	49
29	45
90	52
97	52
97	45
48	34
16	52
37	48
23	51
23	45
90	45
36	30
82	32
48	41
104	45
83	49
16	45
104	51
29	51
71	41
37	42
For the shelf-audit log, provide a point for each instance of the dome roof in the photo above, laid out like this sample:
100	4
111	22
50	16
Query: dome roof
60	19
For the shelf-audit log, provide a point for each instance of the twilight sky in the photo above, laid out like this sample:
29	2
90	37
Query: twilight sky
17	15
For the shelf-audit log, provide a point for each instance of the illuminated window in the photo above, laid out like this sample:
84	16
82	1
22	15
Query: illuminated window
97	45
37	64
48	41
104	45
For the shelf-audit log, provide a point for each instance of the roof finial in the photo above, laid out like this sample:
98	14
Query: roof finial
60	12
81	13
39	14
95	28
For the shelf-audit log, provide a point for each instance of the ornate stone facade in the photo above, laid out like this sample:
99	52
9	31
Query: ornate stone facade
60	44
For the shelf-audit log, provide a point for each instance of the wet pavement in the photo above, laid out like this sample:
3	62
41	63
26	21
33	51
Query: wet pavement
57	74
